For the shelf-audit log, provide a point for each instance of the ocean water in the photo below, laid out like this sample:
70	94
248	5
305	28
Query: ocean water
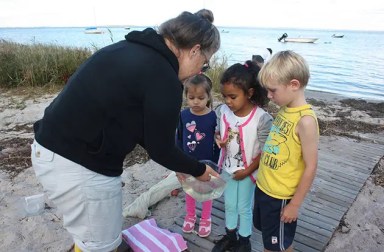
352	66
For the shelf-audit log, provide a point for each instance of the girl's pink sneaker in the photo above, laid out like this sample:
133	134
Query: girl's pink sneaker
204	227
189	224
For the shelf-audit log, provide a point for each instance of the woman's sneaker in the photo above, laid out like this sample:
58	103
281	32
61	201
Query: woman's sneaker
204	227
189	224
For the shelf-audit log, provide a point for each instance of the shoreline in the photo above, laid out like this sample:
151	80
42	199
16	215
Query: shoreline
329	96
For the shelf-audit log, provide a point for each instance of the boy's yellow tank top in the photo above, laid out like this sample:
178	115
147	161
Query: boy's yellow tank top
282	164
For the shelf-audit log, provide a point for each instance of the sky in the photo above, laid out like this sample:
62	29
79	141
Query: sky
312	14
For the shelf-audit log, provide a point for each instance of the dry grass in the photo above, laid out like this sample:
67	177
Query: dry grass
38	64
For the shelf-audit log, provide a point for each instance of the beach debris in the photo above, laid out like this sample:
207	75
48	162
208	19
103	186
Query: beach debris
139	207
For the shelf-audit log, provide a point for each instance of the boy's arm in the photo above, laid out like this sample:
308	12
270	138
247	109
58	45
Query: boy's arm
309	138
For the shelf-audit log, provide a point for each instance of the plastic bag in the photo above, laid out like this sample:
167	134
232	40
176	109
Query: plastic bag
203	191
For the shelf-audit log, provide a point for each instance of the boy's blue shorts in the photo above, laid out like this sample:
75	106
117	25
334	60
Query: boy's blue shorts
277	235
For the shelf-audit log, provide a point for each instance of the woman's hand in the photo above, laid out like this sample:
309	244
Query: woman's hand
180	176
207	174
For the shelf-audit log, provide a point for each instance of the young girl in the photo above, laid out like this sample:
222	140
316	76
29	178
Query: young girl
195	136
243	127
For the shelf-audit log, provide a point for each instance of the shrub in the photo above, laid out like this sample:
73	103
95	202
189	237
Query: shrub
38	64
218	66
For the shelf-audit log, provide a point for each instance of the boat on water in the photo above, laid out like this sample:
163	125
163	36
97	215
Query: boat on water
93	30
337	36
284	38
224	31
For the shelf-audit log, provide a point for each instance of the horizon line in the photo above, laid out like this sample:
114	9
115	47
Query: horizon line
219	27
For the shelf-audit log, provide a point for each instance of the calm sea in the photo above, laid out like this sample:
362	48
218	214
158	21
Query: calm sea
352	66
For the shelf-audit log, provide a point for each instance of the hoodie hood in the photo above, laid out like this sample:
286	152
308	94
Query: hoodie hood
150	38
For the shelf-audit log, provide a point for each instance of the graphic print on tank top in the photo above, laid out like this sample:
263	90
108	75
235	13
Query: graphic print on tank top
233	156
194	136
276	151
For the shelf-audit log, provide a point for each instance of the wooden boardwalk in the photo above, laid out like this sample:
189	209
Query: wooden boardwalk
344	166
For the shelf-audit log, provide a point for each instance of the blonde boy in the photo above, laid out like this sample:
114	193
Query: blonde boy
289	160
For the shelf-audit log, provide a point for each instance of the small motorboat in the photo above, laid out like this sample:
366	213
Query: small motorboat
337	36
93	30
284	38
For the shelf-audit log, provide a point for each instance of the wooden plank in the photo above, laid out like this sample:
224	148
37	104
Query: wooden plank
313	243
320	181
322	211
367	150
347	159
326	203
355	169
337	179
193	245
355	160
300	247
332	190
311	234
333	199
320	204
338	143
318	221
345	173
330	164
316	229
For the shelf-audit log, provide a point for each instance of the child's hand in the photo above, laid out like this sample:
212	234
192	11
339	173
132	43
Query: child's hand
220	143
289	213
240	174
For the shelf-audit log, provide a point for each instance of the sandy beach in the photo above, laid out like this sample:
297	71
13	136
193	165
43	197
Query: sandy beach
361	229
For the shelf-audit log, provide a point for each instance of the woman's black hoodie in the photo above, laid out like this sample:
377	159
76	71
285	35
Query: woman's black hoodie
125	94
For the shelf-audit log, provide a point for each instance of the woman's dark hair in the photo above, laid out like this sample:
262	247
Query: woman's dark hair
187	30
245	77
200	79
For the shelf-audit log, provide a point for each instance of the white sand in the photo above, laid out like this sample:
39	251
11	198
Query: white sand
44	232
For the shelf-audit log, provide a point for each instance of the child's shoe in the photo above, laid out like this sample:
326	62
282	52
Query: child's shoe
228	242
243	244
204	227
189	224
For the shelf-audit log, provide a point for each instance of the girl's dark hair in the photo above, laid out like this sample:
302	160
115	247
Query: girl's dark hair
187	30
203	80
245	77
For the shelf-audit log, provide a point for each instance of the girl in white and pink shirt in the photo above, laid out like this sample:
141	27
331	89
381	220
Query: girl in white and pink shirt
243	127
